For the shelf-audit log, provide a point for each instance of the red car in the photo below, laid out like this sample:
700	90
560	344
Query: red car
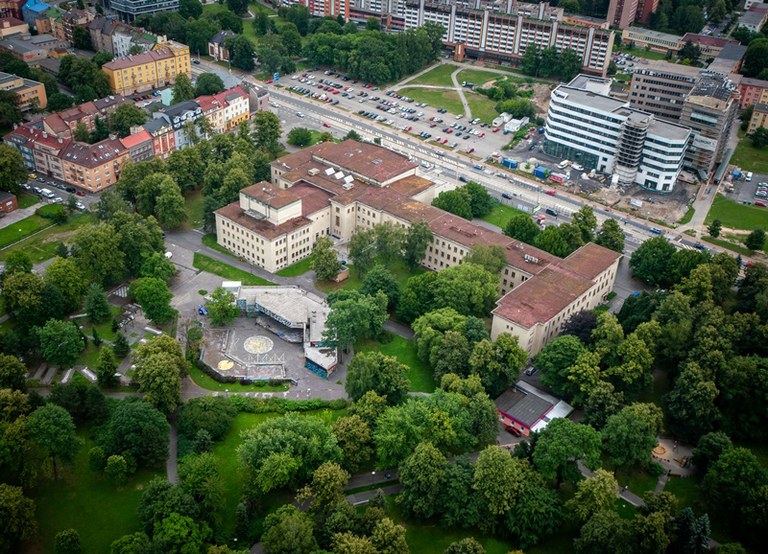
470	150
551	192
80	193
760	204
409	128
326	125
269	82
495	129
481	135
449	131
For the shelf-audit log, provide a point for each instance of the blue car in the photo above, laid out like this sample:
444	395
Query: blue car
202	310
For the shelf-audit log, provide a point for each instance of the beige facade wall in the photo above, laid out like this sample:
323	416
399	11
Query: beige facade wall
534	339
759	119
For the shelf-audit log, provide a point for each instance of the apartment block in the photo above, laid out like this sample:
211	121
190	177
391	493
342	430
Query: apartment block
710	46
710	111
12	8
759	118
29	48
117	38
328	8
150	70
31	93
338	189
11	26
216	48
63	124
660	88
502	31
129	10
658	42
752	92
62	26
93	167
600	132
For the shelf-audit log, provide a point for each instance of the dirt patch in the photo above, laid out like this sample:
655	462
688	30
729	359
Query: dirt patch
59	237
541	92
662	207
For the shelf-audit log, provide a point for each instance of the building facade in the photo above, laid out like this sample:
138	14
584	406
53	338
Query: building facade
759	118
216	48
337	189
129	10
752	92
10	26
29	48
150	70
660	88
31	93
658	42
710	110
600	132
93	167
501	32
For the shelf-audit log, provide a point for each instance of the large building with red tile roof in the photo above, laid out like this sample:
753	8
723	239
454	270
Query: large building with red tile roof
337	189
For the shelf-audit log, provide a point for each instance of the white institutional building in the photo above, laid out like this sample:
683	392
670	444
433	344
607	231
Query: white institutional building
586	125
336	189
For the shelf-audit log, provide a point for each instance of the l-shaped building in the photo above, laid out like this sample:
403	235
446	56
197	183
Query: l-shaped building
337	189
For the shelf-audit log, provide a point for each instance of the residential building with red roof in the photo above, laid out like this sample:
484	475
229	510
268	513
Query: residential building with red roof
338	189
139	146
150	70
93	167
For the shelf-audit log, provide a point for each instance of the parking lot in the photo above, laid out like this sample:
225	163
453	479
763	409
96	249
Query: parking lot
54	192
751	192
433	124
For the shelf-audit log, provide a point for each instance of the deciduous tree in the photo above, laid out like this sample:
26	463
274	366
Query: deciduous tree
154	297
18	522
182	89
631	434
467	288
555	360
106	368
422	478
288	531
594	495
561	445
96	250
222	309
325	260
13	373
373	371
417	239
208	83
610	235
498	480
650	262
355	439
60	342
299	136
159	365
381	279
53	431
491	257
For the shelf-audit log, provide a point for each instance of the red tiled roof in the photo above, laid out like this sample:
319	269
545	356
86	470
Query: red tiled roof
39	137
146	57
539	300
133	140
269	194
590	260
93	155
707	40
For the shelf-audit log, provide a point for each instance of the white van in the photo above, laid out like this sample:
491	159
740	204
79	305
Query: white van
46	193
748	176
563	164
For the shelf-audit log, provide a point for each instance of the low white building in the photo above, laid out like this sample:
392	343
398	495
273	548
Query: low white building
502	118
514	125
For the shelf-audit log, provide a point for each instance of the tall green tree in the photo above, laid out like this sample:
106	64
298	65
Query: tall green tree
138	430
18	522
373	371
106	368
97	252
13	373
160	364
561	445
154	297
60	342
631	434
53	431
594	495
222	309
611	236
490	257
182	89
650	262
12	170
125	117
422	478
363	249
417	239
325	260
266	132
381	279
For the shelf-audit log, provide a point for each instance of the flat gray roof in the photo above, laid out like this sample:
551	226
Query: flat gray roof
668	130
524	407
589	99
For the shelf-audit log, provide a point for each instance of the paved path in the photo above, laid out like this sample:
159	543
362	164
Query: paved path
460	90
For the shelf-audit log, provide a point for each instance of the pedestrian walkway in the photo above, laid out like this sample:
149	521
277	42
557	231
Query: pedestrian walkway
17	215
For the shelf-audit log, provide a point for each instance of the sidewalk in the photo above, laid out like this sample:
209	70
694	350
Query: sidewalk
18	215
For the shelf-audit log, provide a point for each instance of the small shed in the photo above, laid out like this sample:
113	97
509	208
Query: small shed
524	409
8	202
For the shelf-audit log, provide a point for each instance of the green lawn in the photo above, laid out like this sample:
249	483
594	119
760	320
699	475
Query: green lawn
398	268
104	329
501	214
448	99
477	76
637	480
207	382
440	75
209	240
421	377
482	107
737	216
431	538
22	229
625	509
749	158
26	200
226	271
193	205
743	250
316	136
42	246
86	501
657	391
299	268
688	216
686	489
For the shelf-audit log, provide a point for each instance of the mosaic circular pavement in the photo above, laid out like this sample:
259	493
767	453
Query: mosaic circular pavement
258	344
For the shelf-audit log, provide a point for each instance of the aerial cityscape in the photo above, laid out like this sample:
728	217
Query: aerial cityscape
383	276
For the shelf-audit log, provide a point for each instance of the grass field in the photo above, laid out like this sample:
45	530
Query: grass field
448	99
42	246
482	107
226	271
749	158
22	229
207	382
26	200
431	538
637	480
84	500
743	250
688	216
642	53
421	377
477	76
398	268
299	268
440	76
104	329
193	205
737	216
686	489
501	214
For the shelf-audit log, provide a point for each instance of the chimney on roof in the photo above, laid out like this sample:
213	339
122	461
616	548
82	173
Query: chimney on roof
45	134
61	140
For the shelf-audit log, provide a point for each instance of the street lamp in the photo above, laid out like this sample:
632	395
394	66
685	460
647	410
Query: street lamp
373	477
